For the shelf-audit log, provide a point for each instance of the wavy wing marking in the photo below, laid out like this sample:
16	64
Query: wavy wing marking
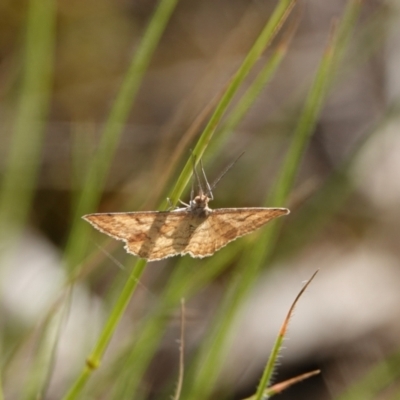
227	224
155	235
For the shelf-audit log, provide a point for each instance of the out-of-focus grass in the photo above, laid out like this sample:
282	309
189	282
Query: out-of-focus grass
252	93
379	378
333	193
97	170
24	153
19	178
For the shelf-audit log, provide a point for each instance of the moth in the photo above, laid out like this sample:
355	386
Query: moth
194	229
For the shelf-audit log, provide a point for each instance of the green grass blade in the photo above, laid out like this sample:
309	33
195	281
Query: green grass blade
34	101
274	23
276	349
281	386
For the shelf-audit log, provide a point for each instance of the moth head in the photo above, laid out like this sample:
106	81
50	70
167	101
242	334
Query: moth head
201	200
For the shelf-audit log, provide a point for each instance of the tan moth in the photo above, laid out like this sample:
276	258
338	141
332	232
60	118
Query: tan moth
195	229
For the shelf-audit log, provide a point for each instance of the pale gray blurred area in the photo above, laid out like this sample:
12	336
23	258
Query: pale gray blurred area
33	286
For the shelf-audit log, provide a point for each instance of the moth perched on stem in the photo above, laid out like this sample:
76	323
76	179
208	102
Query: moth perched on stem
194	229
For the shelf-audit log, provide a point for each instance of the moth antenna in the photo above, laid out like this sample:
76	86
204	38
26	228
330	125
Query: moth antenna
192	190
224	172
196	177
209	192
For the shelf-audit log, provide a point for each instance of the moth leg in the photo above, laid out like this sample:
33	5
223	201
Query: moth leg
186	208
183	203
172	208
